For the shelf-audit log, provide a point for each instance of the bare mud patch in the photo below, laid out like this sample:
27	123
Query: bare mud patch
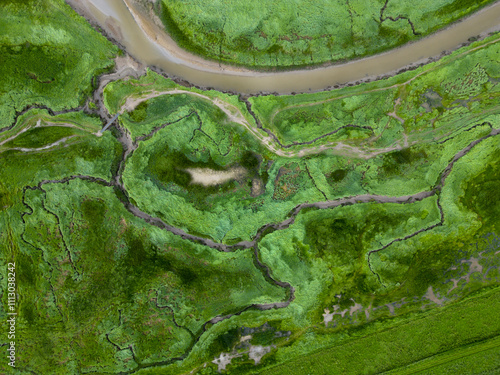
210	177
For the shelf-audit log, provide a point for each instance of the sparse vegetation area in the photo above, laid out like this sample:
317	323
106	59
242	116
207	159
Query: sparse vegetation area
413	340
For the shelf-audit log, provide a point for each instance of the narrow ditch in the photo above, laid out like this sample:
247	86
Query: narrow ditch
399	17
285	146
30	107
436	190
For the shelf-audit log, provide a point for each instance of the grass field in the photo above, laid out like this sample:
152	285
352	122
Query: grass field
451	331
474	358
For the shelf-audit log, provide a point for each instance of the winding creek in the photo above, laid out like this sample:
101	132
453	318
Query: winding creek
123	22
129	147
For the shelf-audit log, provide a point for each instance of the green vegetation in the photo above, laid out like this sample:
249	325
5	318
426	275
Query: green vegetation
372	266
86	155
40	137
284	34
474	358
49	57
179	130
151	278
382	113
77	222
355	231
410	341
231	211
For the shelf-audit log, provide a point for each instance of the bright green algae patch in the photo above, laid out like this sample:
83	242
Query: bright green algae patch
48	57
281	34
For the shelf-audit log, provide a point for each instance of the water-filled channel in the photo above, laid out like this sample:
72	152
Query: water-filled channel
151	46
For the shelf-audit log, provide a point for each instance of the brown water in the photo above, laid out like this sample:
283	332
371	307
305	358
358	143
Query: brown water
151	46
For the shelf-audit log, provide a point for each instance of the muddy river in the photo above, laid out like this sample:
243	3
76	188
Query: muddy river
151	46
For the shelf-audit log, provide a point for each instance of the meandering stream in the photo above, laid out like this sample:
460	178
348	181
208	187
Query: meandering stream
153	47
